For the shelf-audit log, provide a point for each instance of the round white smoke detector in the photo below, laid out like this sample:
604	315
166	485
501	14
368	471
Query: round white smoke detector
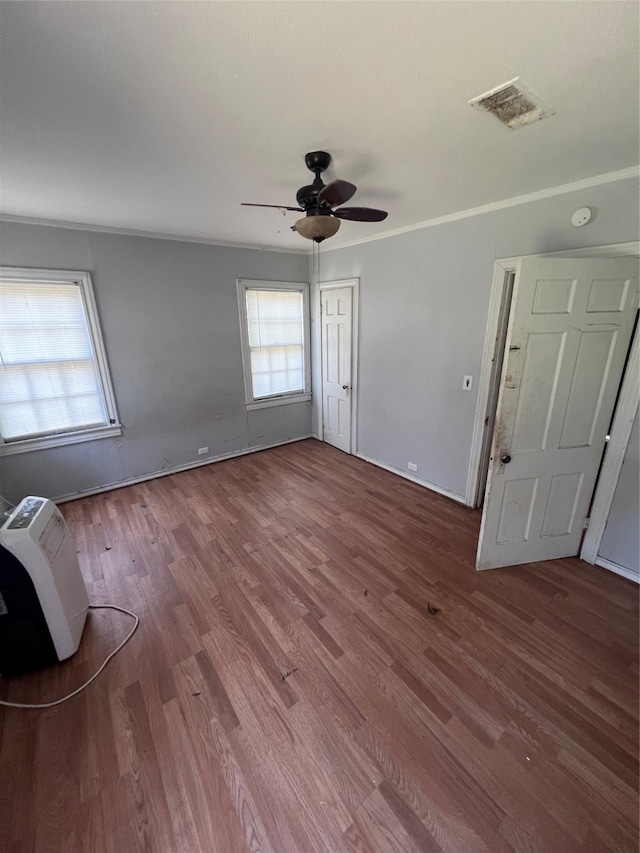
581	216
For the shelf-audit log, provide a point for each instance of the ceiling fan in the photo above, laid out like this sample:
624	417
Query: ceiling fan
318	200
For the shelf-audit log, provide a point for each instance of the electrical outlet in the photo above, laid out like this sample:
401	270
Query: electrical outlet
467	382
202	451
412	466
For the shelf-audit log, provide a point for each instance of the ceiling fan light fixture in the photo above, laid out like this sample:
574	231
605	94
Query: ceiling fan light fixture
317	228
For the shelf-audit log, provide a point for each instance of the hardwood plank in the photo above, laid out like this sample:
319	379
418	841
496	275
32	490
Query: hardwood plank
226	805
428	699
325	638
380	828
147	797
444	820
221	702
414	827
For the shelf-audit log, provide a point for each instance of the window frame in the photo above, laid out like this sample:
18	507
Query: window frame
244	284
57	439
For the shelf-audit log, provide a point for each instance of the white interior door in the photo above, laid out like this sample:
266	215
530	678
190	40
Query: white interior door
336	309
569	332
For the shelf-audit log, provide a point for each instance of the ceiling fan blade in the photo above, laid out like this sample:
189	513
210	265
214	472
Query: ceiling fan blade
337	192
278	206
361	214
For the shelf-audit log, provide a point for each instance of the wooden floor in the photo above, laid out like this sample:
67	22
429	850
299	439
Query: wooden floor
290	691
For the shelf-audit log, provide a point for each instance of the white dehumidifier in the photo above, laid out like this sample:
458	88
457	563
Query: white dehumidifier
43	599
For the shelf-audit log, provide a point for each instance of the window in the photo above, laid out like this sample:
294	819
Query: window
54	384
274	323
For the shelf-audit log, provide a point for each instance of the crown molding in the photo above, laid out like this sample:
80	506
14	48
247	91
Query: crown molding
132	232
561	189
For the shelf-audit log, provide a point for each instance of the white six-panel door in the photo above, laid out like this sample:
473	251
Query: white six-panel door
569	332
336	308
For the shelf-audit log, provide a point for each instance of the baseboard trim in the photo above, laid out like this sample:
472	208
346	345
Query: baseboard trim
132	481
425	483
617	569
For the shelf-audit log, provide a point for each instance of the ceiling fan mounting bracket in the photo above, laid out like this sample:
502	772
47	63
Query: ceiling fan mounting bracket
317	161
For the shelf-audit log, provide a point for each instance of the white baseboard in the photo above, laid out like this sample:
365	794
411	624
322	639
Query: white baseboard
629	574
427	485
121	484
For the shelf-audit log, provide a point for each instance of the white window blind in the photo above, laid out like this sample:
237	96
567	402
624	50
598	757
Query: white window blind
275	332
49	381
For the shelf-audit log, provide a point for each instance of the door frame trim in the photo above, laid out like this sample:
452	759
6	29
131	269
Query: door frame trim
354	284
614	456
625	412
503	267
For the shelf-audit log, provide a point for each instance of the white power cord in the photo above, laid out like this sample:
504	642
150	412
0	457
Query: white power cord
96	674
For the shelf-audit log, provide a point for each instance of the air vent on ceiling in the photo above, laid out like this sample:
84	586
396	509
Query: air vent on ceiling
513	103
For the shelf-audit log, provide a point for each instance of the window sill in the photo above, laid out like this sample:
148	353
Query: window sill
278	401
46	441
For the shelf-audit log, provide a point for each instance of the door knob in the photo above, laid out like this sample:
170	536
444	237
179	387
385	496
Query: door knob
504	457
345	387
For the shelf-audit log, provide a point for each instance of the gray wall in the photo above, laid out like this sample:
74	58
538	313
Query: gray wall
621	541
424	299
170	321
169	317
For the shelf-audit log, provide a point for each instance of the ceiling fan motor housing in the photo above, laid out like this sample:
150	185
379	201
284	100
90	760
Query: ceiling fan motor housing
316	161
307	197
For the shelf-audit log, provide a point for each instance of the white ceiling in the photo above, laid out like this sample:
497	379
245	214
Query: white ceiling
164	116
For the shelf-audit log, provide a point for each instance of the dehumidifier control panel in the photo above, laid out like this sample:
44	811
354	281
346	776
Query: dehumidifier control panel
27	511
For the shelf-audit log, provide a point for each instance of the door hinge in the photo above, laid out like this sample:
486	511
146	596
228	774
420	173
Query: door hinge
585	523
